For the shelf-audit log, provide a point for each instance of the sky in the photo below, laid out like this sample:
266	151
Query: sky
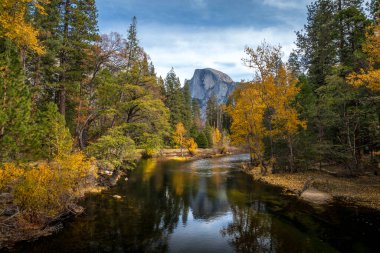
196	34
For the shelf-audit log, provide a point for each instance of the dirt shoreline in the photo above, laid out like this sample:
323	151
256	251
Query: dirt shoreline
175	154
361	191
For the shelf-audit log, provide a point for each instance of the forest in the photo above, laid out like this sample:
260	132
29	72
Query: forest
74	101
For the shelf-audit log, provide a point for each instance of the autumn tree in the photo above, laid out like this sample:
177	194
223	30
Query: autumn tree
179	136
14	26
369	77
216	138
247	115
264	108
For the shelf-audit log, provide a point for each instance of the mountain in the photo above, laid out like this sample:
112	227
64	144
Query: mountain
208	82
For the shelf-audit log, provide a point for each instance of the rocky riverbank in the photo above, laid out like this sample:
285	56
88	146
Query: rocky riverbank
321	188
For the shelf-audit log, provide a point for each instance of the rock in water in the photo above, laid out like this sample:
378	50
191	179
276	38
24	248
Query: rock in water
316	197
208	82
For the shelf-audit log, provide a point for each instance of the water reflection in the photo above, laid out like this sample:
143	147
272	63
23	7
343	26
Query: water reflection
201	206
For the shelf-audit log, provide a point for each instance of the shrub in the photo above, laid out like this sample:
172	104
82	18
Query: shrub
192	146
9	175
151	144
112	149
48	188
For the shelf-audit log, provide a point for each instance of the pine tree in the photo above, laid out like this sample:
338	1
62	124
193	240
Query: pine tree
196	114
213	112
317	44
14	104
187	118
174	100
50	137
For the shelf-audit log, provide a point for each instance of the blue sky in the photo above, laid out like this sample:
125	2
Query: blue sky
191	34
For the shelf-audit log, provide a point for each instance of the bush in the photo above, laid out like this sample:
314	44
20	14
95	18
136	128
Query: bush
151	144
192	146
9	176
48	188
112	149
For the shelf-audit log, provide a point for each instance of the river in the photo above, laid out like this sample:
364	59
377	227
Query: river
208	206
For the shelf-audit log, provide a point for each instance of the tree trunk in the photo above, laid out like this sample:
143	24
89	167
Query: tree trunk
62	89
291	158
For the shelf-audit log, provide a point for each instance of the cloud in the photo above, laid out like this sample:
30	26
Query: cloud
287	4
188	48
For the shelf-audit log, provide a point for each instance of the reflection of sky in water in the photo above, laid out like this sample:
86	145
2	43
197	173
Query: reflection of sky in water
221	165
185	239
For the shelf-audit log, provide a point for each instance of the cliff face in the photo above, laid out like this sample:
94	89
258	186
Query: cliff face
208	82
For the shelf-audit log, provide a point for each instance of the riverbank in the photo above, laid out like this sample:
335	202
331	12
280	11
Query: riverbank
202	153
16	226
358	191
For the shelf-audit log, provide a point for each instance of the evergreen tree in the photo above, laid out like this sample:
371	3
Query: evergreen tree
14	104
213	112
174	98
316	43
187	113
50	137
196	114
202	140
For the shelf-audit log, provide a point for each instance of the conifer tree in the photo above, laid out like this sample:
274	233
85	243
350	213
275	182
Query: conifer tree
174	98
14	103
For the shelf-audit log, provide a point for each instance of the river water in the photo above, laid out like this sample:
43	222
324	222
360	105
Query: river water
208	206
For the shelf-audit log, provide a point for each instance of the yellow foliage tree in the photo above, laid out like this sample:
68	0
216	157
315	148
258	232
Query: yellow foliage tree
286	123
273	90
247	120
14	26
179	136
216	137
370	77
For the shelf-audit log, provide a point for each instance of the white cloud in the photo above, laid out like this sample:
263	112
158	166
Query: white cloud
187	49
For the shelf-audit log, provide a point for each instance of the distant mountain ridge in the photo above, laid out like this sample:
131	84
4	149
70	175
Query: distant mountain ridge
208	82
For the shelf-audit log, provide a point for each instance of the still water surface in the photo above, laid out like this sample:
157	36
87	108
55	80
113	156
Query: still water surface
208	206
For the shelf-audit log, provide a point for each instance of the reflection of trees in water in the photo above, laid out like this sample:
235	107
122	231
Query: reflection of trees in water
250	230
156	207
253	229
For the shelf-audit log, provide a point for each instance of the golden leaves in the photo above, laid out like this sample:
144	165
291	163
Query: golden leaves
370	77
216	137
14	26
48	187
265	107
179	134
